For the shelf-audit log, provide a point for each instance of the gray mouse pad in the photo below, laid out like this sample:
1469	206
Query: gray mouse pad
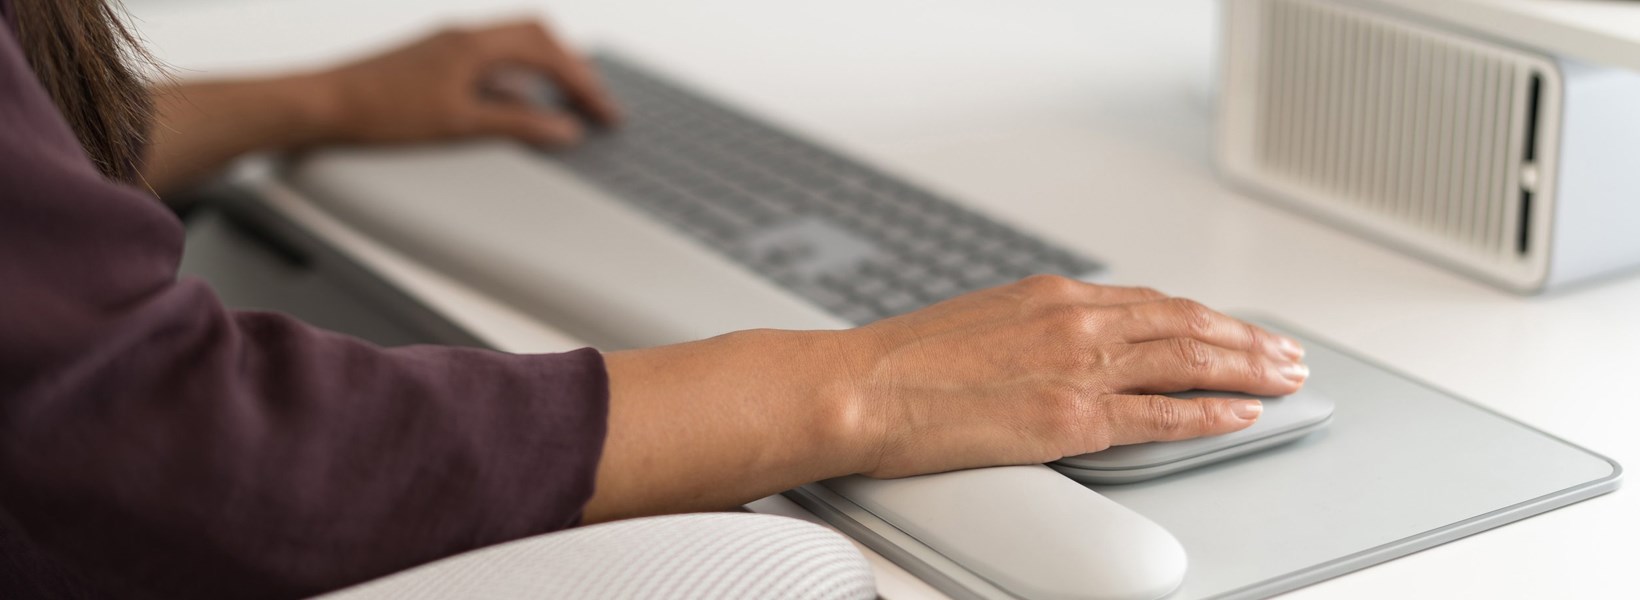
1402	466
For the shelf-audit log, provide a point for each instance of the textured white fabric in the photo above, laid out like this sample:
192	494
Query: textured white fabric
711	555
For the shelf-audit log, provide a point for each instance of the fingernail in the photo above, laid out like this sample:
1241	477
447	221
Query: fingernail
1247	409
1289	348
1295	371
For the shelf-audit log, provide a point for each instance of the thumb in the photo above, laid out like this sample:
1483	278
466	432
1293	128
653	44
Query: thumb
527	124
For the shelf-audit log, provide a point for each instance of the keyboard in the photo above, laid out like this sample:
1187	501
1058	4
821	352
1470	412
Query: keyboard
859	243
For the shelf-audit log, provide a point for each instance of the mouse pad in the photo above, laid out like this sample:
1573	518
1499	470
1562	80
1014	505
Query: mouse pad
1402	467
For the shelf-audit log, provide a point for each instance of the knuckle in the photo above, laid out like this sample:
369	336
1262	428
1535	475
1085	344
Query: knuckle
1134	312
1074	319
1097	430
1063	399
457	37
1192	355
1196	317
1087	359
537	31
1257	370
1149	293
1210	416
1256	338
1167	417
1071	417
1056	287
1066	317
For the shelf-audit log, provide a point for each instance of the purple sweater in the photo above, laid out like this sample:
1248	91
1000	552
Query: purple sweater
156	444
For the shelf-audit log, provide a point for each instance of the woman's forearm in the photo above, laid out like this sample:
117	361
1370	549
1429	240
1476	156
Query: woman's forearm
717	423
200	127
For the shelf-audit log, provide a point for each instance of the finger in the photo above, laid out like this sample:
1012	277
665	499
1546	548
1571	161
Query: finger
1139	419
1117	294
1179	364
531	43
527	124
1057	288
1185	318
512	86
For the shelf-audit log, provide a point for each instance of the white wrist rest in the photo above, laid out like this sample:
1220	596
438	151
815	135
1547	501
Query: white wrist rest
1029	530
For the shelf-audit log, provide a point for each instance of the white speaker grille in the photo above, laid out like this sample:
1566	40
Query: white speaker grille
1422	129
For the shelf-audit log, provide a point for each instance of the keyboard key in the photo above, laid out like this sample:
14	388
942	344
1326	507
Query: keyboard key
898	302
829	298
950	260
859	314
856	242
870	287
934	290
978	274
912	273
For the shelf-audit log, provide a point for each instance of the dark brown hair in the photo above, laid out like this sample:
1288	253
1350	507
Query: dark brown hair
91	65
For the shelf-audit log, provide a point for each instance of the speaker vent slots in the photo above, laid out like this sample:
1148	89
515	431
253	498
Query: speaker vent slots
1416	128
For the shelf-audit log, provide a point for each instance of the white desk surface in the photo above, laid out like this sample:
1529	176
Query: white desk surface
1089	123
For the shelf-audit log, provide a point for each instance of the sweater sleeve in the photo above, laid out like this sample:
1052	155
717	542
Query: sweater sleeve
154	441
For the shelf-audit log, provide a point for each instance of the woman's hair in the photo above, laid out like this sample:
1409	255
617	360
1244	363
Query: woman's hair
91	65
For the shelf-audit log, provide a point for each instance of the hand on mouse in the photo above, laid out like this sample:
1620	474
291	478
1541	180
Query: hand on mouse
1050	367
432	89
1028	372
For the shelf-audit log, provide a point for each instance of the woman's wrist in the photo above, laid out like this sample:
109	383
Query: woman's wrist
818	377
317	113
201	126
854	424
720	422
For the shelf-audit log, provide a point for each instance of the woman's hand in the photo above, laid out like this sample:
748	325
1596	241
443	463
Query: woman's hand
436	89
1025	373
1050	367
442	87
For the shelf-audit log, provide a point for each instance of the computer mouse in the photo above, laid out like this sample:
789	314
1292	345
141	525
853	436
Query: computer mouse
1029	531
1286	419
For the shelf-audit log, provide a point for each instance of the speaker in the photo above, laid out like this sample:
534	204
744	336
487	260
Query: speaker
1507	164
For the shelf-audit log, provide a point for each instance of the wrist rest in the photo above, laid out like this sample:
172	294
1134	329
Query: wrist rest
1071	543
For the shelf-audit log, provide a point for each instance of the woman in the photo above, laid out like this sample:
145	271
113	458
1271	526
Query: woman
154	443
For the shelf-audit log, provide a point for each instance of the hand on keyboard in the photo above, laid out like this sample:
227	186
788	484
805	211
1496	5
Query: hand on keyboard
1051	367
430	90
